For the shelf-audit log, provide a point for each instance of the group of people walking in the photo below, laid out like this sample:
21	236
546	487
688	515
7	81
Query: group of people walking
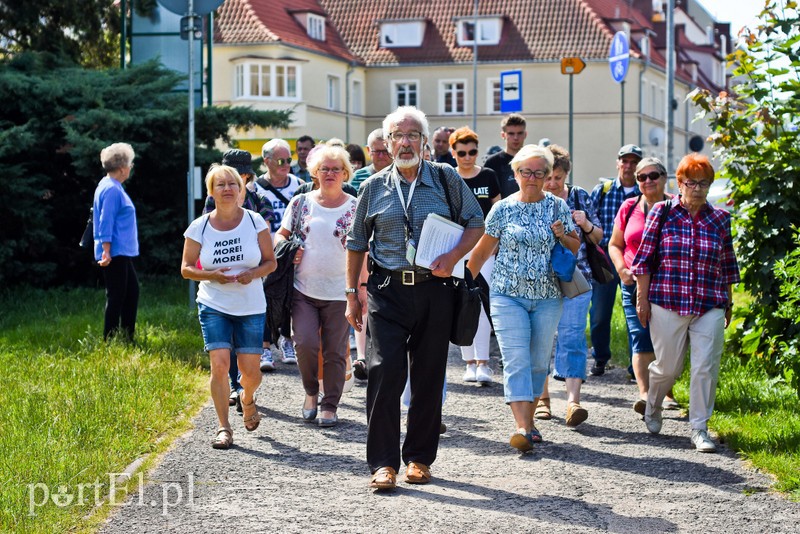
351	263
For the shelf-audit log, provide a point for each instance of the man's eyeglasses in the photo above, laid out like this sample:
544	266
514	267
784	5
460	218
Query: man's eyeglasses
463	153
326	170
411	136
282	161
691	184
652	176
379	152
528	173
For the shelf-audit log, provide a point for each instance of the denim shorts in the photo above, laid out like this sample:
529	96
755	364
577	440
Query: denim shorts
638	335
242	333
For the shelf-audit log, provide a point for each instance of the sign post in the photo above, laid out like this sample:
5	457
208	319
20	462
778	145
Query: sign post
619	61
571	66
511	91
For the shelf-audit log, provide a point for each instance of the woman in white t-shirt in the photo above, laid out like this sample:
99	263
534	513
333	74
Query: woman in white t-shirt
318	302
234	251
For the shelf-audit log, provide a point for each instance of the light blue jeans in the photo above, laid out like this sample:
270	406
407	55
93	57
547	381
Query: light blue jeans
525	329
571	347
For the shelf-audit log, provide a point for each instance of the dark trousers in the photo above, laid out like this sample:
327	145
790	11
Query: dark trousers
406	325
122	297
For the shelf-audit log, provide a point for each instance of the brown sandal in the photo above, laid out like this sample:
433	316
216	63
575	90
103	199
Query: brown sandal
542	410
384	478
223	439
252	420
417	473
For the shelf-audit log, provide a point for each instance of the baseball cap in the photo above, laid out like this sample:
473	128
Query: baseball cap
630	149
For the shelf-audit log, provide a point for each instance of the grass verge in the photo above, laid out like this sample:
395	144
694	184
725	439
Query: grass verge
77	409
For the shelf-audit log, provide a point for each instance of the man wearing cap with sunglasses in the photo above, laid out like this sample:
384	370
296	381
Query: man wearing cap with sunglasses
608	196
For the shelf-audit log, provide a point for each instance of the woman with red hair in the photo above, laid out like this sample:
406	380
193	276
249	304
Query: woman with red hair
685	269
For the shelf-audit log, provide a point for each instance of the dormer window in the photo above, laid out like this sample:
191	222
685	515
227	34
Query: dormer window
396	34
315	26
486	30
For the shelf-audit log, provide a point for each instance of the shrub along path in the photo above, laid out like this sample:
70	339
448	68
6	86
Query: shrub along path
609	474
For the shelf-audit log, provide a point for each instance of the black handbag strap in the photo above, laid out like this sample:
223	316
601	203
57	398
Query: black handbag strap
266	185
443	181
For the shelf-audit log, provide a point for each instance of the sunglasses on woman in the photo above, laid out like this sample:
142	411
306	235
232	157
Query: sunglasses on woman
652	176
464	153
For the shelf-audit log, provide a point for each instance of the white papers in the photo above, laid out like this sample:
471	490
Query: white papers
439	236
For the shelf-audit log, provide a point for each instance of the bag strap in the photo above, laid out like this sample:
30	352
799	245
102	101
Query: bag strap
301	200
266	185
606	188
443	180
632	209
251	218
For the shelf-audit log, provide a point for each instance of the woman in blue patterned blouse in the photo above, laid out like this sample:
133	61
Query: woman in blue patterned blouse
525	296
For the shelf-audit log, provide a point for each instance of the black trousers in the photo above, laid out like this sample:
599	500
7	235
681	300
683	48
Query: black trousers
406	325
122	297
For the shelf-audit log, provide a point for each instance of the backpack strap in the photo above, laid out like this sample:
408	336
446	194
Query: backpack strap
266	185
606	188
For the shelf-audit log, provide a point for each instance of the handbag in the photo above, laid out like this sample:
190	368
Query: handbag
467	294
596	257
577	286
87	240
565	265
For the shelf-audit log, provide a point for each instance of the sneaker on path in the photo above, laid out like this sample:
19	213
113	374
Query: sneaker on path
653	422
288	351
483	375
266	364
702	442
470	373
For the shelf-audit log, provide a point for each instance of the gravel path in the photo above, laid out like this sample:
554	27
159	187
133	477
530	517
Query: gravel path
609	474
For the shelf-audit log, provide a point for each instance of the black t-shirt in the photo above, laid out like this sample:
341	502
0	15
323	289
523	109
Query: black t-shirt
500	163
485	187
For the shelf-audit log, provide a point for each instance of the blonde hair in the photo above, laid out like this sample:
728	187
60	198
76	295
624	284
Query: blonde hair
323	152
217	170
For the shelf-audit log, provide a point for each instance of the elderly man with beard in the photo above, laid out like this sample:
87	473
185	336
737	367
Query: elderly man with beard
410	308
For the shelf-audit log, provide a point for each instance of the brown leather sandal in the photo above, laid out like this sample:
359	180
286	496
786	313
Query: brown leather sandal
417	473
223	439
542	410
251	418
384	478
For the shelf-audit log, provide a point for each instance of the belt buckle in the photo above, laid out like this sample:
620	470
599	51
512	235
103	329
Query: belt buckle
407	278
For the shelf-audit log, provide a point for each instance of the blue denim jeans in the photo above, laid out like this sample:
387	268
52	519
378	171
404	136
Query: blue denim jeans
638	335
571	345
239	333
525	329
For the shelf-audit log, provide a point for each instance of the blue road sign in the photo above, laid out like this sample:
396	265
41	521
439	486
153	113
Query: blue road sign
510	91
619	56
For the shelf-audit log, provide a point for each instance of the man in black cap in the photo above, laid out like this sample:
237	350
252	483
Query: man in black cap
608	196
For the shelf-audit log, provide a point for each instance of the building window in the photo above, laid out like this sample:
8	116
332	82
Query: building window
333	93
452	97
487	32
493	95
395	34
275	81
315	26
404	93
356	99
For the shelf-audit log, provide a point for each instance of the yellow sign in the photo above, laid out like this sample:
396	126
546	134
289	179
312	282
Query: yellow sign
572	65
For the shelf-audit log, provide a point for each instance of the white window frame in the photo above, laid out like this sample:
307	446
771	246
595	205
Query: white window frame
492	87
443	91
401	34
395	85
333	92
357	98
315	26
485	25
277	75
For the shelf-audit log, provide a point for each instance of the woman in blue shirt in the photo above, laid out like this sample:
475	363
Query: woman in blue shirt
116	241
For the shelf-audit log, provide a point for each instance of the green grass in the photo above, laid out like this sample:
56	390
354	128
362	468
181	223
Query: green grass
75	408
757	416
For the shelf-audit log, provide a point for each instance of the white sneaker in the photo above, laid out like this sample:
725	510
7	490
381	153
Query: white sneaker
266	364
470	373
288	351
702	442
654	421
483	374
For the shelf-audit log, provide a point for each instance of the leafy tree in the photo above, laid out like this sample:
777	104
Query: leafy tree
755	134
54	120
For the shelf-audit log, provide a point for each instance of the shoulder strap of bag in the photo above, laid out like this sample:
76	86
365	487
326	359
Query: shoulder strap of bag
205	223
632	208
606	188
443	180
662	219
266	185
251	219
301	200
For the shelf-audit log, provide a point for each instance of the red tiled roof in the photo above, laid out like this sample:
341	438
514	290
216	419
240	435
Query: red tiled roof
272	21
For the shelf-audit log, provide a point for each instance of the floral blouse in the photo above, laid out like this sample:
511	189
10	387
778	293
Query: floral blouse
522	268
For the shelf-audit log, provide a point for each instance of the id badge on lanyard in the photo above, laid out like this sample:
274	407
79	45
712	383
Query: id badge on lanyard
411	245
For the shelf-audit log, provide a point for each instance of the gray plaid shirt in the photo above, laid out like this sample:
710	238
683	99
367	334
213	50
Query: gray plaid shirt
379	214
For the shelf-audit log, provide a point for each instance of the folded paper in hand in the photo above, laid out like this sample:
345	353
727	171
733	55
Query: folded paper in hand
439	236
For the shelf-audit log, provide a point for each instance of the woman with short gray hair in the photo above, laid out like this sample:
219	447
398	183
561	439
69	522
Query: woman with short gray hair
116	241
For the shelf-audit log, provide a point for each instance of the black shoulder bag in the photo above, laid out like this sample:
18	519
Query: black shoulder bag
87	240
467	300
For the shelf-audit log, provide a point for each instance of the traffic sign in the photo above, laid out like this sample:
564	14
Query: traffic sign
510	91
572	65
619	56
200	7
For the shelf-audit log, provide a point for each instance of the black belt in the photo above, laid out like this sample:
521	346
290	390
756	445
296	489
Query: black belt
407	278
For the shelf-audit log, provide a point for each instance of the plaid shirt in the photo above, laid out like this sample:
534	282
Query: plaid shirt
607	208
379	225
697	262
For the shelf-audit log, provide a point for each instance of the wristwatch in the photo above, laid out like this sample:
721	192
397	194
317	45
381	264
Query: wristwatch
349	290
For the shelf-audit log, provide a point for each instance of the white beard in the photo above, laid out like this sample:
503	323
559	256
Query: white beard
407	163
